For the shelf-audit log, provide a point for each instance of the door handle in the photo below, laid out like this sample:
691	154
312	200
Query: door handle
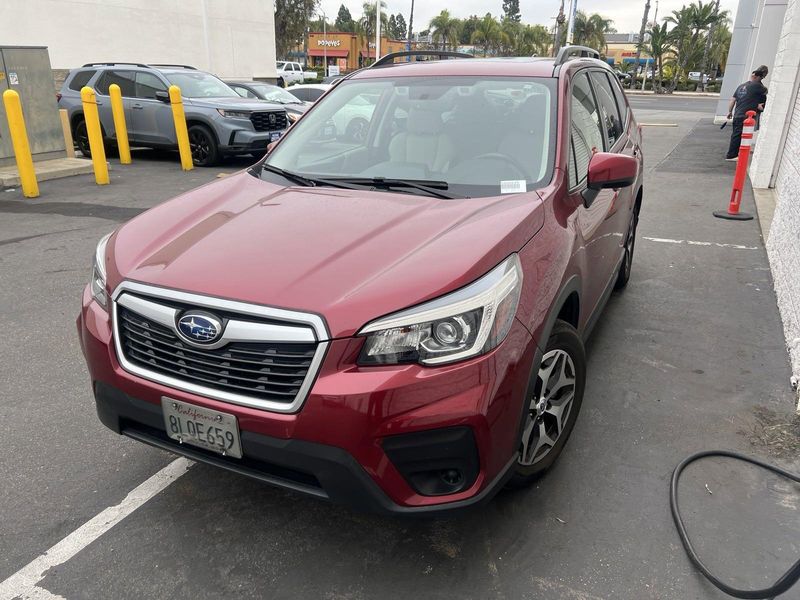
138	106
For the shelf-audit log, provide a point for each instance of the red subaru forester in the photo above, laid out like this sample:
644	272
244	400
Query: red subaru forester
394	318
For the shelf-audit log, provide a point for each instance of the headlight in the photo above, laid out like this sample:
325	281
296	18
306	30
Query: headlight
234	114
98	283
460	325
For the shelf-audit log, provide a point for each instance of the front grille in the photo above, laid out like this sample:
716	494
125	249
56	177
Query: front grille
269	121
263	370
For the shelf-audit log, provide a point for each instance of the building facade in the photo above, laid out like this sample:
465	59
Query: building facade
231	38
775	170
346	50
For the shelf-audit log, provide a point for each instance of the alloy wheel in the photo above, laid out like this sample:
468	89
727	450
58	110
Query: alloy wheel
82	139
549	408
200	146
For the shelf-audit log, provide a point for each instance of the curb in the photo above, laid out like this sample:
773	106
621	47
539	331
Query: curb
679	94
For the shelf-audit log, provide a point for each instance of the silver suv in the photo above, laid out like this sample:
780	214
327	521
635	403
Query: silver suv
220	122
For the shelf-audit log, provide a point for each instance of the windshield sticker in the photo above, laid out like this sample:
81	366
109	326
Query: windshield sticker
513	186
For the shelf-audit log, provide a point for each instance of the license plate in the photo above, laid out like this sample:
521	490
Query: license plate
198	426
274	136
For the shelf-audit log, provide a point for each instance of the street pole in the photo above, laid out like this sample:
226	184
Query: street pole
324	43
377	29
573	8
704	74
559	24
641	42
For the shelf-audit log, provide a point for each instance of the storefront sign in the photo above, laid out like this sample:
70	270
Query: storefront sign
329	43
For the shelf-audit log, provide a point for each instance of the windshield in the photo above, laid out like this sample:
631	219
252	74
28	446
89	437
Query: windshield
473	136
275	94
200	85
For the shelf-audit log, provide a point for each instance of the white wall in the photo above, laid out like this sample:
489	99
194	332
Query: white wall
231	38
776	163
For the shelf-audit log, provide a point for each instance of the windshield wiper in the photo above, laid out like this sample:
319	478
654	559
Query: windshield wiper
433	188
302	179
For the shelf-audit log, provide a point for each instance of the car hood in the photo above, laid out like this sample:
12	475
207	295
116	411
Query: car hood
233	103
348	255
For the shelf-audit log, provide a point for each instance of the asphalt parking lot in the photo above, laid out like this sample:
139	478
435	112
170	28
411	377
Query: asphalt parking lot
691	356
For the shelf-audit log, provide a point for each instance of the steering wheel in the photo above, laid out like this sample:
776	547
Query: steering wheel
505	158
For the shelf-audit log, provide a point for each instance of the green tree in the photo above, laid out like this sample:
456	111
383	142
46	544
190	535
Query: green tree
511	10
591	30
488	34
720	45
344	20
400	26
391	27
445	29
468	28
680	37
658	45
291	19
367	21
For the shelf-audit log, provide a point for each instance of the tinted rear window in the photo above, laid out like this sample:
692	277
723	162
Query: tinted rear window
124	79
81	79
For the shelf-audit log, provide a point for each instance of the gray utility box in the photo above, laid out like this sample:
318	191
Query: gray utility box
26	70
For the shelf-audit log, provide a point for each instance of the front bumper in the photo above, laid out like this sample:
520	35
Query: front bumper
234	138
341	445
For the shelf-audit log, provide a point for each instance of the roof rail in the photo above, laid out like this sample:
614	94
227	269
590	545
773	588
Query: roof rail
174	66
111	64
569	52
388	59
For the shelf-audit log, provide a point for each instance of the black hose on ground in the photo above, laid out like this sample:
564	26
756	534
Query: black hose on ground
786	581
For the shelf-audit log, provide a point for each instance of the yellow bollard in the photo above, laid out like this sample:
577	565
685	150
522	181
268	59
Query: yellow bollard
95	134
180	127
19	139
69	145
119	124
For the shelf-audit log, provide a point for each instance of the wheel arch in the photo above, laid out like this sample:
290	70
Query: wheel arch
193	120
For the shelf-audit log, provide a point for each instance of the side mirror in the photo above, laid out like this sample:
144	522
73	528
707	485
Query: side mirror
608	170
162	96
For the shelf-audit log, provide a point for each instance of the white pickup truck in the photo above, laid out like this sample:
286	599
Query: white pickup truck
290	73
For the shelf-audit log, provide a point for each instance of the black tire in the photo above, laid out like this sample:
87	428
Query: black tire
203	143
536	456
281	82
356	130
627	260
81	136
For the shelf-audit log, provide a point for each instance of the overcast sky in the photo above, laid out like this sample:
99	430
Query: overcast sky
627	14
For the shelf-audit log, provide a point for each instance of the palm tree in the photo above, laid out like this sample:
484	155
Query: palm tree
657	46
445	29
720	45
591	30
487	34
367	20
680	38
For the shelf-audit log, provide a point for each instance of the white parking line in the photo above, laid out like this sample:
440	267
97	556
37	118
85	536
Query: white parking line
694	243
23	582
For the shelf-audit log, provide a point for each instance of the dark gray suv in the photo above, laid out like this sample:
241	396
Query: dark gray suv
220	122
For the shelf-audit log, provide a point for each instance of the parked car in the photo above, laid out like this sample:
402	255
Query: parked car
292	72
309	92
622	76
220	122
396	322
258	90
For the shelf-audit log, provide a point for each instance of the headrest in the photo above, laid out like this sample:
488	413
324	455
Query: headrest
424	121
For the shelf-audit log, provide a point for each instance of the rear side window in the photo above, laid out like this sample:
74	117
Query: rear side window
81	79
301	95
314	95
609	113
124	79
619	95
147	85
586	135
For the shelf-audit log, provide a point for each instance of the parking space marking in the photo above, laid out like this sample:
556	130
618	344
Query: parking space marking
23	582
695	243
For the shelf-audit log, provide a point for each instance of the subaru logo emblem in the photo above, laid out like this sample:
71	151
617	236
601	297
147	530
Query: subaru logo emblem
200	328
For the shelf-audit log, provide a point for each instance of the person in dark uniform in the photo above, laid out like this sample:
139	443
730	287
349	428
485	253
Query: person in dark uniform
751	95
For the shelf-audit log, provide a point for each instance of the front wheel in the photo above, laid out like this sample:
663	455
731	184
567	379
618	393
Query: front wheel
205	152
552	409
82	138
